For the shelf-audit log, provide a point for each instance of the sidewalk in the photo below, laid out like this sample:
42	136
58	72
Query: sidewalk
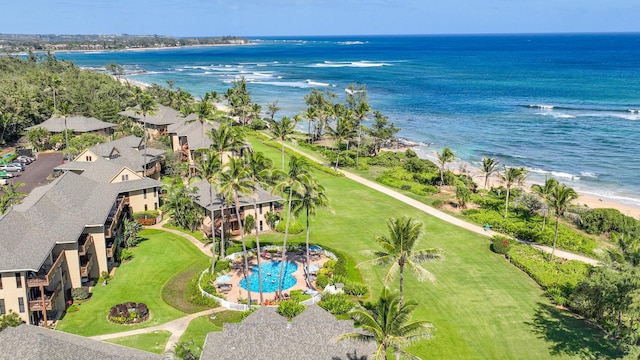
442	215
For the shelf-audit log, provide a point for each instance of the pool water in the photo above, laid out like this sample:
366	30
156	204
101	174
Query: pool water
271	276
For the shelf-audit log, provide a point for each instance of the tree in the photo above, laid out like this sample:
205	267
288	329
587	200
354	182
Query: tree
398	250
54	86
560	199
445	157
463	194
381	131
130	234
512	175
388	323
342	131
281	130
359	105
10	196
116	70
65	111
180	201
297	175
235	181
11	319
38	137
322	107
272	109
5	120
186	350
146	106
309	198
225	139
208	168
545	191
489	167
628	249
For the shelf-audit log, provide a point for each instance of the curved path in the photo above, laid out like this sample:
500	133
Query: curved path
442	215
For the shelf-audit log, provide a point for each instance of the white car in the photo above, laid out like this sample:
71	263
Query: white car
10	168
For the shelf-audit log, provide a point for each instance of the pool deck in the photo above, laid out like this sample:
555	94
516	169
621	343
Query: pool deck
297	257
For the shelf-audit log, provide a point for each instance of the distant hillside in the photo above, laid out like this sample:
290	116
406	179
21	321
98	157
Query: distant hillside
12	43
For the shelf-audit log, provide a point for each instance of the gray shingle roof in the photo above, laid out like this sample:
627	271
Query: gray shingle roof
163	116
203	199
55	213
308	337
128	151
196	138
79	124
28	342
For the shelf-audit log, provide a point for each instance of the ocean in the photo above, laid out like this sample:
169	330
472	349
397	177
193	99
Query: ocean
566	106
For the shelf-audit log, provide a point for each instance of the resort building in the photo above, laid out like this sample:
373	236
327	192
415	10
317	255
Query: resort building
129	152
210	200
188	136
67	233
156	124
78	124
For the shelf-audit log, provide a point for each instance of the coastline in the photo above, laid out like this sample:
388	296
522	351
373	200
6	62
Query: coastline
97	51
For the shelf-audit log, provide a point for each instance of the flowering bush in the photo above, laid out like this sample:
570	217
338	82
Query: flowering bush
129	313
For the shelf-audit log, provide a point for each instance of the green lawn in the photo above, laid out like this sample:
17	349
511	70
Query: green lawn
156	260
152	342
482	306
200	327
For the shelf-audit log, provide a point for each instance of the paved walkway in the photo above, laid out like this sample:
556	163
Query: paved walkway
206	249
442	215
175	327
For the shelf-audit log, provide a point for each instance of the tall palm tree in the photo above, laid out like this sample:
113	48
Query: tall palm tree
560	199
54	87
489	167
628	250
208	168
445	157
258	167
343	130
398	250
272	109
311	197
204	112
359	106
282	130
545	191
388	324
65	111
297	175
512	176
146	106
225	139
235	181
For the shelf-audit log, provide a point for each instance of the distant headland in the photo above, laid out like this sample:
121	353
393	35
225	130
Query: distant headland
13	43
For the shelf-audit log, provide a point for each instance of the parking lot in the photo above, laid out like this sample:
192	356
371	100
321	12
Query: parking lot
37	172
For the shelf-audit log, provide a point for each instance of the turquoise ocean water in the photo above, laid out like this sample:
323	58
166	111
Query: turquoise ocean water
561	105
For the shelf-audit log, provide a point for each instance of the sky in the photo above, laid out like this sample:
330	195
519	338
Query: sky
316	17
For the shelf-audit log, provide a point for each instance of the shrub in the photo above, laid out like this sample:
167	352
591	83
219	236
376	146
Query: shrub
290	308
355	289
322	281
336	303
81	293
195	297
126	254
500	245
299	296
294	227
437	203
604	221
146	222
129	313
146	214
222	266
73	308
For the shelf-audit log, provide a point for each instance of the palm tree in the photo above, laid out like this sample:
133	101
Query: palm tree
225	139
544	191
297	175
235	180
10	196
311	197
388	324
146	106
359	106
258	166
511	176
65	111
272	109
343	131
628	250
208	168
54	87
282	130
488	168
445	157
560	199
398	250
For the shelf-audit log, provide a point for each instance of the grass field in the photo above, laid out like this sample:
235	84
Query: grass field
200	327
155	261
152	342
482	306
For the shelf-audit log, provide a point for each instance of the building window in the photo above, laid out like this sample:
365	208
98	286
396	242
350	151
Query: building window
155	192
155	206
0	281
21	304
125	177
260	208
144	193
88	158
18	280
261	225
146	207
3	310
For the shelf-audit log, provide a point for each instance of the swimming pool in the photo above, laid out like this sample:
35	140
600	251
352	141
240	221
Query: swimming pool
271	276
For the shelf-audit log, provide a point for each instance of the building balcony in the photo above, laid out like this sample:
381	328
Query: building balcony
111	247
86	265
84	244
114	215
50	297
46	273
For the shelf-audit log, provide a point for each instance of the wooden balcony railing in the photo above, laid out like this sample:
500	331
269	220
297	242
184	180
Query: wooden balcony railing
85	267
49	299
46	273
110	249
114	215
84	244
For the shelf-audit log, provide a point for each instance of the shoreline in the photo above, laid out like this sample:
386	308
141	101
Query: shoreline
145	48
591	201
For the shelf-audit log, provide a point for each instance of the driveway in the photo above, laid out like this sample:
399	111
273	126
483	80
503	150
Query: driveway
37	172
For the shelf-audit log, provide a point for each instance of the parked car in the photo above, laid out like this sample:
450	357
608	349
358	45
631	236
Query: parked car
17	164
28	159
22	161
5	175
11	168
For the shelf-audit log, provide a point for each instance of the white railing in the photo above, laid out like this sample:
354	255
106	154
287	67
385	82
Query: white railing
224	303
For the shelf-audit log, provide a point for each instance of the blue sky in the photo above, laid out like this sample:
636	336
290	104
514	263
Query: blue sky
317	17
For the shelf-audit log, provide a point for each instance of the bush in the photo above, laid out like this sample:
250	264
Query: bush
437	203
73	308
500	245
355	289
294	227
129	313
222	266
146	214
336	303
322	281
299	296
605	221
290	308
195	297
126	254
81	293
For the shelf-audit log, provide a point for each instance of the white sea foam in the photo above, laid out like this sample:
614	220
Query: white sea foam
589	174
295	84
541	106
361	64
351	43
557	115
316	83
